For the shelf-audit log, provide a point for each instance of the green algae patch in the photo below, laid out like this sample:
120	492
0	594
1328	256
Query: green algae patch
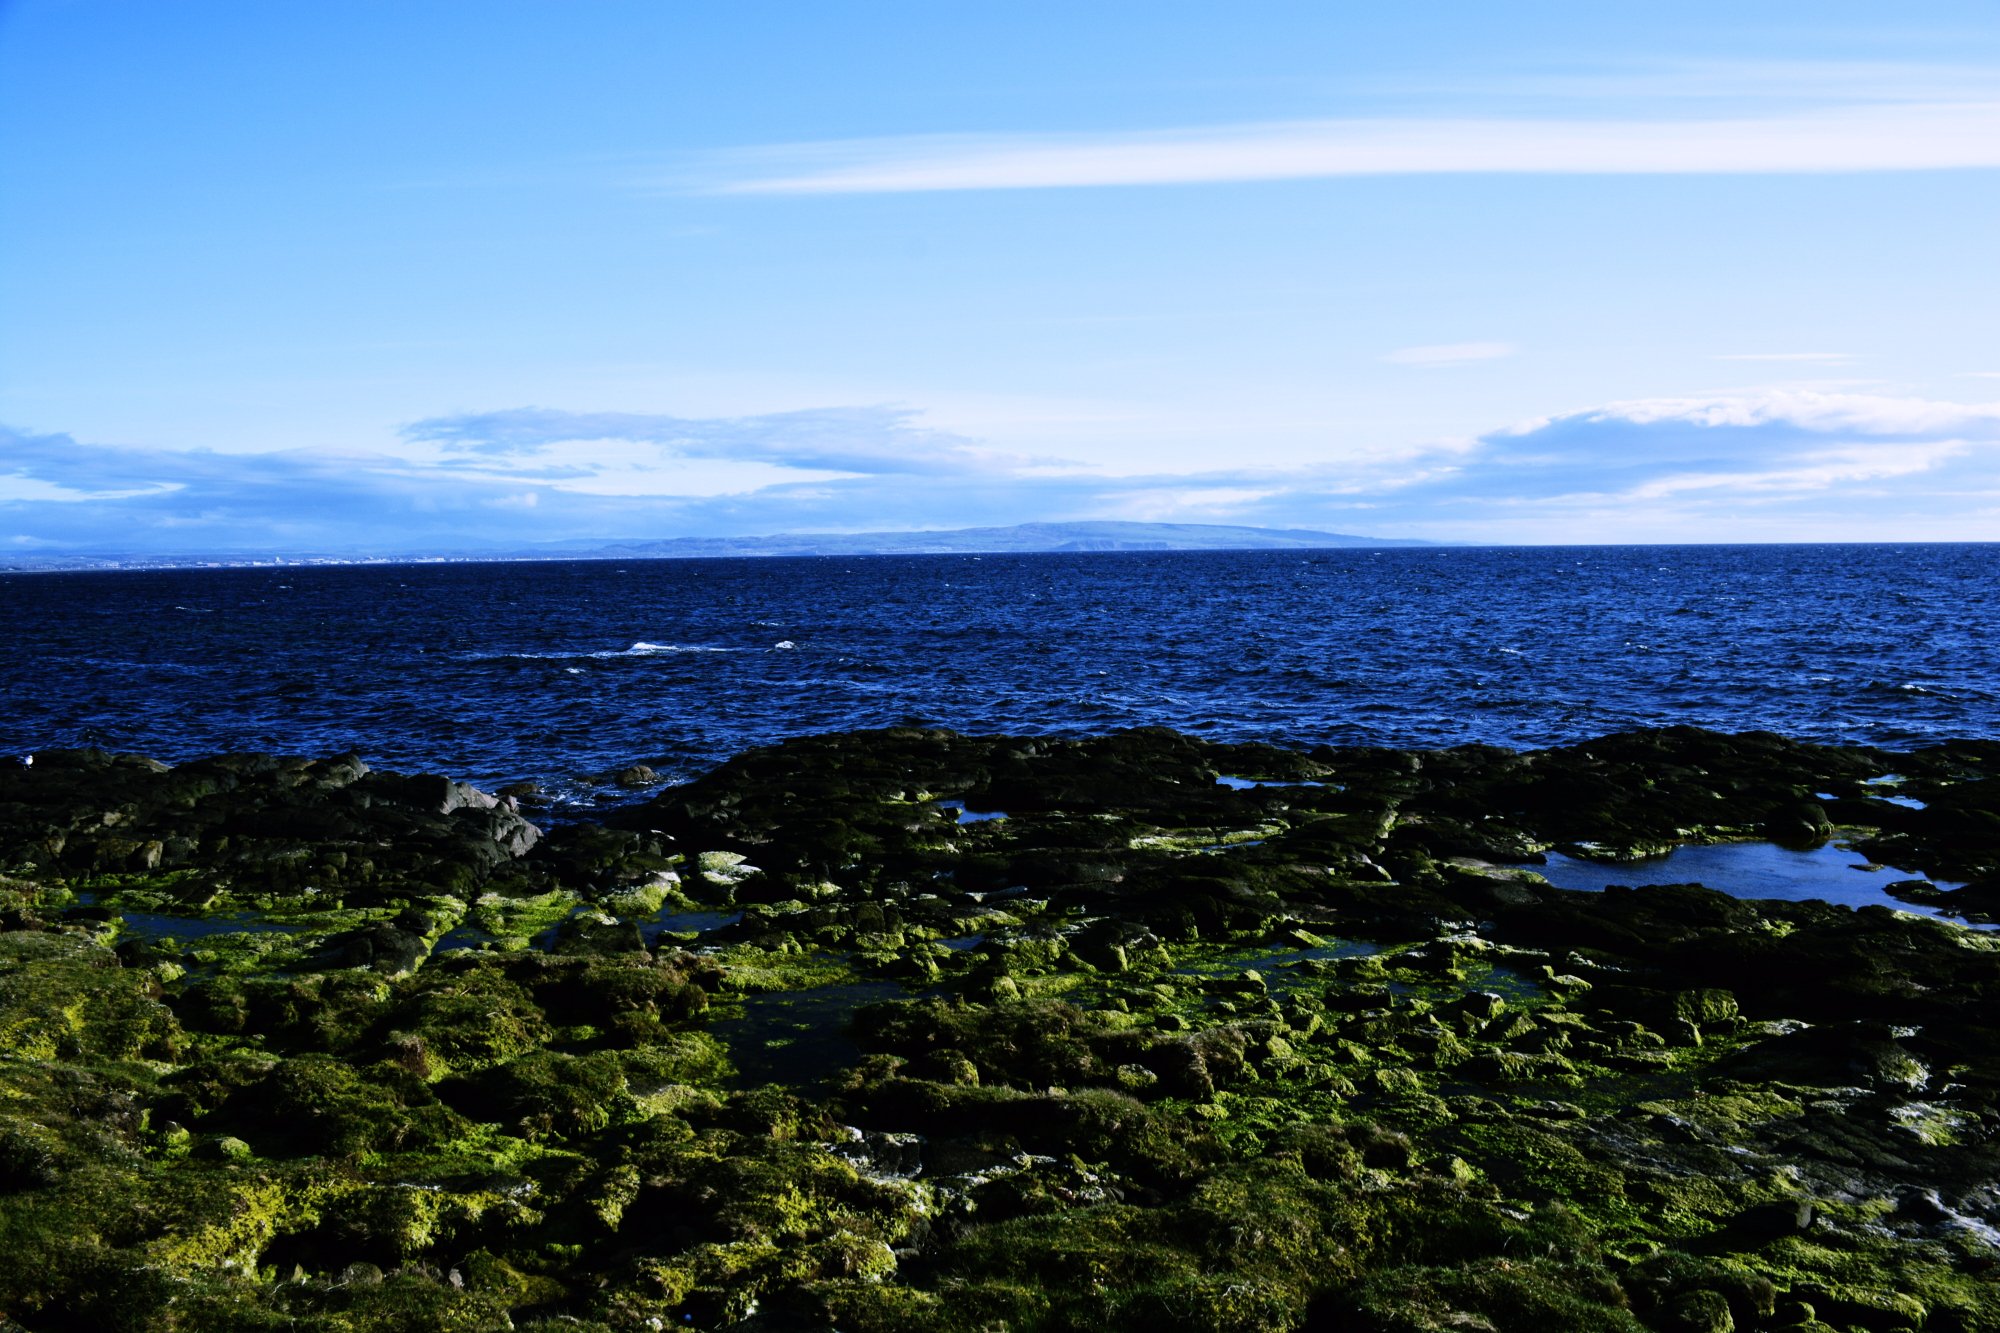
62	997
471	1019
513	921
749	969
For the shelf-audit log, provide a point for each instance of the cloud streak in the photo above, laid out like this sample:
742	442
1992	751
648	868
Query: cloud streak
868	440
1450	354
1869	137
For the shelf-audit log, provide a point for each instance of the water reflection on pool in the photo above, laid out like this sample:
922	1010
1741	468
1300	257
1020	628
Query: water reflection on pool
1232	961
965	816
1831	873
682	923
1252	784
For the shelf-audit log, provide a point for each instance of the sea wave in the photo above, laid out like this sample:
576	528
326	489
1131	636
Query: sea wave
640	649
644	649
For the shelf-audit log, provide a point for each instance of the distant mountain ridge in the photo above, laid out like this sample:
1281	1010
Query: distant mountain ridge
1020	538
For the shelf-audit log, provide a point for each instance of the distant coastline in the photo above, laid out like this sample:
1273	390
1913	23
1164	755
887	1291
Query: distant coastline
1023	538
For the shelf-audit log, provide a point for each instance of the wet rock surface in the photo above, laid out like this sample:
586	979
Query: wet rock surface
912	1030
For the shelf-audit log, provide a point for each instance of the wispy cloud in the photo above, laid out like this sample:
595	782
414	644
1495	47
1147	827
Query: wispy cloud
1805	411
873	440
1450	354
1870	136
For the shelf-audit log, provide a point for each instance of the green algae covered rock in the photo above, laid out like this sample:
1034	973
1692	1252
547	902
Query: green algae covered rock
63	998
803	1045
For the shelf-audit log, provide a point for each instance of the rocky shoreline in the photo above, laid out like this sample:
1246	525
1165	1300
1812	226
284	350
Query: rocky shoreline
911	1030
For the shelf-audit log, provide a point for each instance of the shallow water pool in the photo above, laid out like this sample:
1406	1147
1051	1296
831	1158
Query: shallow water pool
965	816
800	1036
681	923
1831	873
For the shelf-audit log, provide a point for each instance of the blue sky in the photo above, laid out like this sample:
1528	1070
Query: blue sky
397	277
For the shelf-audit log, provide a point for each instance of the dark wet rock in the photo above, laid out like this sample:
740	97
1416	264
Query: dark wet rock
290	825
597	934
136	953
384	947
1923	1206
339	771
1700	1311
1804	824
1833	1055
880	1154
1920	891
1979	898
1765	1222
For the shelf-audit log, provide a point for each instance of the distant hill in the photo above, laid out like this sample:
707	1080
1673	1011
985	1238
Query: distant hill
1024	537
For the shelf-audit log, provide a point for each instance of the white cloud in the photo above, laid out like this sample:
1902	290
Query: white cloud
1450	354
1194	504
868	440
1813	472
1822	358
1804	409
1769	465
1870	136
22	486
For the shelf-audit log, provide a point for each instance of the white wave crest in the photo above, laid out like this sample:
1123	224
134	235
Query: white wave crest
644	649
640	649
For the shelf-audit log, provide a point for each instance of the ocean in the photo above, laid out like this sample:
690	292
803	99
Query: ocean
563	672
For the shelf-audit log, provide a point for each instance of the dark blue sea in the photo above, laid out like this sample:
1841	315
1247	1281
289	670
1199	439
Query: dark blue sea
562	672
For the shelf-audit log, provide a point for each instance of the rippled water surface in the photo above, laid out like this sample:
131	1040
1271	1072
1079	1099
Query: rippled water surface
561	670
